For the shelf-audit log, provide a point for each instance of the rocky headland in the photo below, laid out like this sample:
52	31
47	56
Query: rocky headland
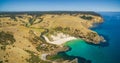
29	37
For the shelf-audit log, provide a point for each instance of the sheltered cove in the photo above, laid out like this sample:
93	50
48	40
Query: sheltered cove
37	33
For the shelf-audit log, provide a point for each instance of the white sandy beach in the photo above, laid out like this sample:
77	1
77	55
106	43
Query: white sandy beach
59	39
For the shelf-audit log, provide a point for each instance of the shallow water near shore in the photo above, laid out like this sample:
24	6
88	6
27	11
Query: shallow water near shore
104	53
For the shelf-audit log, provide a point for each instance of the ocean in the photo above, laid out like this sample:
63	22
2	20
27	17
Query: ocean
103	53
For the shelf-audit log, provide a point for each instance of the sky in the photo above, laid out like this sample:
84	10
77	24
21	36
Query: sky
59	5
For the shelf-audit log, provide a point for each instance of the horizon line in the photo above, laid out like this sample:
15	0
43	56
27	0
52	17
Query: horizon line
61	11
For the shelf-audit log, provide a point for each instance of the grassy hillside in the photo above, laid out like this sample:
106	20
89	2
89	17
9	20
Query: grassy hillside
21	33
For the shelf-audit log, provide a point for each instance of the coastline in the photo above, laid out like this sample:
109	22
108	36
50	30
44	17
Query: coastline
37	30
59	39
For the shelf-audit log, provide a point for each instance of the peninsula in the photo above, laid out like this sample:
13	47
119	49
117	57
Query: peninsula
32	37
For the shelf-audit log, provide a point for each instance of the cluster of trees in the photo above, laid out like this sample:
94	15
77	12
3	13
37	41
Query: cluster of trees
39	13
46	47
6	38
86	17
34	58
62	29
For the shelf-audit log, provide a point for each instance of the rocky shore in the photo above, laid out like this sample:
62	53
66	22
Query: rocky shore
40	34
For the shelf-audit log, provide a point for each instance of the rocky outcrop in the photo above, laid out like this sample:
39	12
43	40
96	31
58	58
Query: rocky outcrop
28	30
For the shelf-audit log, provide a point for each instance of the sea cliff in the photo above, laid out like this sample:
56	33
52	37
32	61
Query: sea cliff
38	34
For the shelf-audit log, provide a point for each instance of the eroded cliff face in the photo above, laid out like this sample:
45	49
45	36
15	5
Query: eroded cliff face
27	31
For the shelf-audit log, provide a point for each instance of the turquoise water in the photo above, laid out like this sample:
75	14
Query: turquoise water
104	53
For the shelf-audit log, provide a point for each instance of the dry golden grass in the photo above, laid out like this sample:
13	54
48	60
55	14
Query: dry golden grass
16	52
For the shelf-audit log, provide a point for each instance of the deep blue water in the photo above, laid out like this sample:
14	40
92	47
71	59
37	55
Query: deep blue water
108	53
